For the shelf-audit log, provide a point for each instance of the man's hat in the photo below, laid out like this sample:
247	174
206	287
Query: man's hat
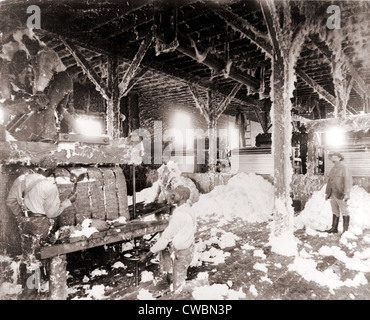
338	154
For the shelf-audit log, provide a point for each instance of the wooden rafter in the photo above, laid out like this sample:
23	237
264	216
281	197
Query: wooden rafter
217	65
134	21
45	33
179	75
139	75
203	106
261	120
257	37
128	8
359	84
270	27
226	101
87	69
132	69
268	45
113	104
316	87
208	109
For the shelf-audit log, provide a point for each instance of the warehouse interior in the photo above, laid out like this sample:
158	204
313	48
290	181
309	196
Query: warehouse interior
218	88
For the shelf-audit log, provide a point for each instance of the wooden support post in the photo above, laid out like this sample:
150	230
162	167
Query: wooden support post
262	120
285	42
3	211
340	87
212	147
125	110
129	107
311	157
281	142
240	122
113	108
134	191
366	104
211	113
134	111
58	278
132	69
88	70
226	101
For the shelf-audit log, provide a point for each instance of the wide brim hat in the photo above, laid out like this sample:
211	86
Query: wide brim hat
338	154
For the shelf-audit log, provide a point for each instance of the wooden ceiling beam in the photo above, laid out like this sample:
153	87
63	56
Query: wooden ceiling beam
84	45
127	8
246	28
217	65
226	101
201	104
243	26
88	70
138	76
155	66
132	23
316	87
178	75
134	65
359	84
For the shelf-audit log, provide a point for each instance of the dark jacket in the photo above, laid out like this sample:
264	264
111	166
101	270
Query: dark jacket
339	182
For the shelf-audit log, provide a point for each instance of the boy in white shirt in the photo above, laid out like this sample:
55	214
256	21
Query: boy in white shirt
180	231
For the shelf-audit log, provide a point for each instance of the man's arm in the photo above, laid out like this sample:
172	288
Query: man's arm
13	200
64	205
53	213
328	189
167	235
347	183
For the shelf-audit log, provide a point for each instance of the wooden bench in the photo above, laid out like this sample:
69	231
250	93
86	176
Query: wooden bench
102	195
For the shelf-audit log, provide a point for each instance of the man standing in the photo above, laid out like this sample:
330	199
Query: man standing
338	191
35	203
180	231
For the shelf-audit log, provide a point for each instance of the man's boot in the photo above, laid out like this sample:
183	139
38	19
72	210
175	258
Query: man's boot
345	223
334	227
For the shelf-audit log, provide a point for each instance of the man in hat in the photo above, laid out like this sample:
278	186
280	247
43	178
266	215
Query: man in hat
338	191
34	201
35	74
180	231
